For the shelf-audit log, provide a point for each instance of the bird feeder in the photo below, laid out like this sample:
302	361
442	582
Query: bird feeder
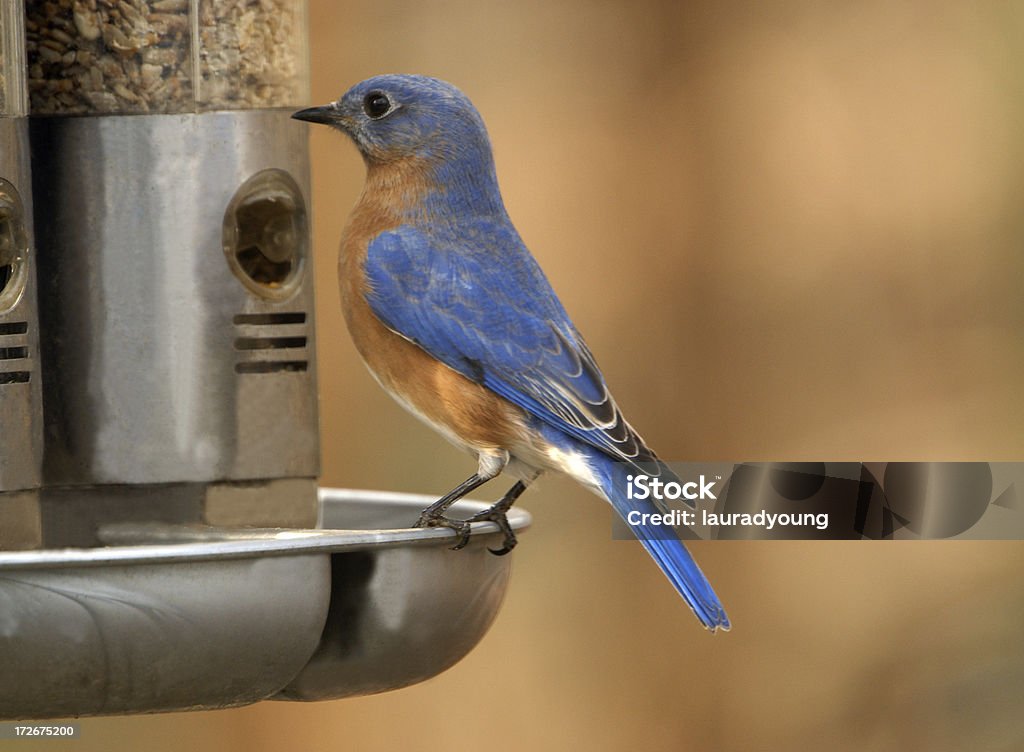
185	556
20	384
173	195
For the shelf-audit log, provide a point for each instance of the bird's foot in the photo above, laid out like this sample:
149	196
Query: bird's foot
498	515
433	516
436	519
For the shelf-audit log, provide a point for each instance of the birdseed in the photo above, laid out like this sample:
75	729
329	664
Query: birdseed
136	56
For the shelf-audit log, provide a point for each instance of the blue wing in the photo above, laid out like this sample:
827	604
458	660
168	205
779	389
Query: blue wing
475	299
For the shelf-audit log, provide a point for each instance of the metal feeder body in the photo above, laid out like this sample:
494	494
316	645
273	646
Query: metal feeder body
21	425
172	194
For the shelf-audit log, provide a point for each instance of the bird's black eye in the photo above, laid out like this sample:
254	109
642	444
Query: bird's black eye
376	105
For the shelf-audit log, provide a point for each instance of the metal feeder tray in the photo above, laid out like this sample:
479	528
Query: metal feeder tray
176	618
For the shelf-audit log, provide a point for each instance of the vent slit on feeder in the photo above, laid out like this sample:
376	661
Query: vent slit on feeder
14	327
13	353
15	377
270	319
271	366
269	343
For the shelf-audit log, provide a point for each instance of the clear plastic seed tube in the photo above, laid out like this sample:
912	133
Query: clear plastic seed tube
12	59
165	56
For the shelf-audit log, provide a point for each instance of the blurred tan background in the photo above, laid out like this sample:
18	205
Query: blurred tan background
789	231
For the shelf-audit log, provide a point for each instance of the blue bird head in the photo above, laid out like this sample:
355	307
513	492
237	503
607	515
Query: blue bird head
394	117
424	124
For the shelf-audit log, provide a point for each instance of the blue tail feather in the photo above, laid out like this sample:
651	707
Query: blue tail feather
664	546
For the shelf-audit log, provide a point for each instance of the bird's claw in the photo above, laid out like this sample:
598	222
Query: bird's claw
497	515
433	516
461	527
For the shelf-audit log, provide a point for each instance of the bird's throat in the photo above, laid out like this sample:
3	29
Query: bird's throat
424	191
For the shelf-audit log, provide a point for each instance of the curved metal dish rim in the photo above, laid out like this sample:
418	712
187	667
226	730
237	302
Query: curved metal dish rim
218	544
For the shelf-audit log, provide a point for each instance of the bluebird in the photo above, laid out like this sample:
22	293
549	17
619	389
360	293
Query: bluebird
455	319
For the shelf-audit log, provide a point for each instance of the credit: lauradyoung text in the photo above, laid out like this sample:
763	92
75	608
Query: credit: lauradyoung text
763	519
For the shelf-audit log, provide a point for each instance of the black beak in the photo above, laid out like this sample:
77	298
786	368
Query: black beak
326	114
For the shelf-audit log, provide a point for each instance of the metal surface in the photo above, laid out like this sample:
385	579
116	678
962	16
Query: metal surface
400	615
191	618
72	515
21	426
161	365
126	638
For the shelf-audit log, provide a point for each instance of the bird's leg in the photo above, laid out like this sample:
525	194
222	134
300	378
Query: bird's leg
433	516
491	463
498	514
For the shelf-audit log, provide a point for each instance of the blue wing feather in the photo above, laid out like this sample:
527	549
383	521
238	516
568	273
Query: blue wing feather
500	325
